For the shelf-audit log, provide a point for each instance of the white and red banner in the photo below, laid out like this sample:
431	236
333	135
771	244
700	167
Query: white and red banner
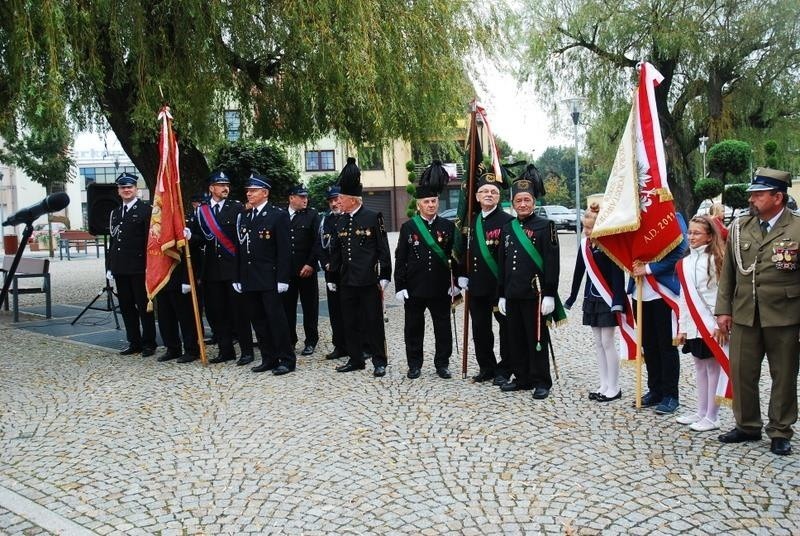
706	324
481	112
166	223
637	220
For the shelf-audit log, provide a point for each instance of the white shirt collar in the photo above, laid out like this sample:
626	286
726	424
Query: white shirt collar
774	219
130	204
487	213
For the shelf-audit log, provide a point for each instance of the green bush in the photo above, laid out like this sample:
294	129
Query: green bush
729	158
708	188
736	196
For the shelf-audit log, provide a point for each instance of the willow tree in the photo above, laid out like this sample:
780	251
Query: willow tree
729	66
366	70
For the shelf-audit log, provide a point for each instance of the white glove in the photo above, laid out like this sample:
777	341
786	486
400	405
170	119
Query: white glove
383	283
548	305
187	233
501	306
453	291
463	282
283	287
401	296
186	289
237	287
332	287
109	276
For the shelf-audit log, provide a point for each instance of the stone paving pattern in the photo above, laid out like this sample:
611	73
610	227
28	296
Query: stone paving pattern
128	445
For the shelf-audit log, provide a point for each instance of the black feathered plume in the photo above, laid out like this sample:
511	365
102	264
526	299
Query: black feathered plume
350	178
433	180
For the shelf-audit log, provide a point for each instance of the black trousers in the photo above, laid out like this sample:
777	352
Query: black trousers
174	311
529	365
132	295
226	311
414	330
269	322
308	291
660	356
335	316
362	312
480	310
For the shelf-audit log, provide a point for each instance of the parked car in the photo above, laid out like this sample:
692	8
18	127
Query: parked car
449	214
561	216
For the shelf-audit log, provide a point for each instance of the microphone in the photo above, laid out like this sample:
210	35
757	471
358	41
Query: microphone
51	203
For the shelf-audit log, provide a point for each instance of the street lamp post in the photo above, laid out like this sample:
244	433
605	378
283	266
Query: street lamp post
703	140
575	106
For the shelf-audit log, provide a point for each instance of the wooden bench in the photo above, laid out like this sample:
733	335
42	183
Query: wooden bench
78	239
29	267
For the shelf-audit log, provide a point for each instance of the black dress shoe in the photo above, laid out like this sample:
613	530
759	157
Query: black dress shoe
186	358
130	350
780	446
737	436
211	341
483	376
499	380
148	351
379	371
263	367
444	373
221	359
336	354
540	393
244	360
280	370
166	356
308	349
603	398
350	366
413	373
514	386
593	395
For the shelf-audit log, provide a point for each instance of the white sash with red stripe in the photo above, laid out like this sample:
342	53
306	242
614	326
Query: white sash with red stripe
706	324
625	320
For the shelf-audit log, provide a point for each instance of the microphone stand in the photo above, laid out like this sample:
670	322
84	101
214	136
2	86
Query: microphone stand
108	290
26	235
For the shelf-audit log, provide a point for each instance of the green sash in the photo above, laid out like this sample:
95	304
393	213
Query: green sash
558	313
483	248
429	241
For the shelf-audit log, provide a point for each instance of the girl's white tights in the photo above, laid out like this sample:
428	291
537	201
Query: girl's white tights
607	360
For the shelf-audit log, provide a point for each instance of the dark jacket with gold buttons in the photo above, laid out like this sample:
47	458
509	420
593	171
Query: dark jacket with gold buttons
217	264
482	281
127	253
518	270
264	254
304	239
327	235
417	268
361	249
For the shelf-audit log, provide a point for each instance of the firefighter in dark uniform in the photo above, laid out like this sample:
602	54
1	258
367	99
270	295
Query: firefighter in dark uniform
305	246
481	281
529	268
361	256
126	263
216	231
264	271
327	233
176	317
423	278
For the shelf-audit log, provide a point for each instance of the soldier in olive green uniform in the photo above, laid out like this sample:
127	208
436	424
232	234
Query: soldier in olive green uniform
758	305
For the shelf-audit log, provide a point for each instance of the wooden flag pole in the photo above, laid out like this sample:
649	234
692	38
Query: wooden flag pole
473	136
639	326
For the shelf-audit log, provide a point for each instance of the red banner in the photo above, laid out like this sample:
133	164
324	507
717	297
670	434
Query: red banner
166	223
637	220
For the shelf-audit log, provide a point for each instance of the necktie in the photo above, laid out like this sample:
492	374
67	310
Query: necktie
291	216
764	228
254	214
216	209
124	210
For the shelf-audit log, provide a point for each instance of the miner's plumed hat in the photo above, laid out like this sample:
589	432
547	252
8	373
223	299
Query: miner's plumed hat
530	181
770	179
127	179
350	179
433	180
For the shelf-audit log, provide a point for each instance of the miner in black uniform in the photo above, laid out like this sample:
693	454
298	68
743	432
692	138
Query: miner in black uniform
327	233
529	267
126	262
216	231
264	271
481	281
361	256
176	317
423	277
305	246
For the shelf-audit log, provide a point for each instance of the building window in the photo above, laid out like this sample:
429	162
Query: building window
370	158
233	124
320	161
106	175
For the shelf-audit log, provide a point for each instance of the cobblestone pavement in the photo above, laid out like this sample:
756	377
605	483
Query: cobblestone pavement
98	442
